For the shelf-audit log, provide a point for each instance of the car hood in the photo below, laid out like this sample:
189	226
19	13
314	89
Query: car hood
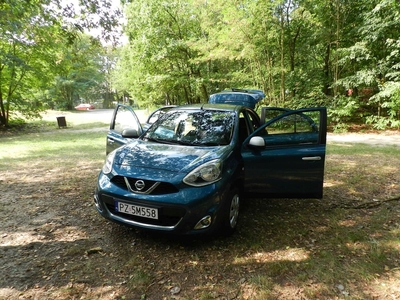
174	158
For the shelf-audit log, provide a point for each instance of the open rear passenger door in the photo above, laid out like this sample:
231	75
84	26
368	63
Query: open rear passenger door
285	157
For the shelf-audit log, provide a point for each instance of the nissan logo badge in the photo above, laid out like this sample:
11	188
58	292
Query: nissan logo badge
139	185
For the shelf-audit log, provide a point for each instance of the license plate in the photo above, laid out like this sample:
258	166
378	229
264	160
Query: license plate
136	210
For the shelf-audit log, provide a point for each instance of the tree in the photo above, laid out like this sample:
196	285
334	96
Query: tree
374	62
159	62
80	73
109	60
380	38
30	36
25	41
300	52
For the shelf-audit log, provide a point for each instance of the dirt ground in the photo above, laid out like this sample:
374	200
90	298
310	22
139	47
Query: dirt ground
54	245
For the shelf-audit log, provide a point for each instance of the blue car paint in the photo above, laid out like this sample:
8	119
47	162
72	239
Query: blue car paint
140	153
197	202
297	185
171	163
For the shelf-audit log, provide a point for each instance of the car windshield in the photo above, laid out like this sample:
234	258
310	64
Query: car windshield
194	127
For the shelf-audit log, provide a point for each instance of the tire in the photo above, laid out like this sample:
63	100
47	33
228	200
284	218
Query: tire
230	213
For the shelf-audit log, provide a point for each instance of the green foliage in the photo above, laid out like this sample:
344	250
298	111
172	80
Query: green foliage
35	38
343	111
301	53
17	122
80	74
25	46
158	62
375	62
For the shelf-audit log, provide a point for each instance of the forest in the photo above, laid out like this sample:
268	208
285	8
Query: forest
342	54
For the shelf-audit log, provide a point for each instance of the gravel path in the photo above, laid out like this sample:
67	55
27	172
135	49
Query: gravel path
384	138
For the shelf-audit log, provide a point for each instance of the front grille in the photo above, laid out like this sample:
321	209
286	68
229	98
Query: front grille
160	189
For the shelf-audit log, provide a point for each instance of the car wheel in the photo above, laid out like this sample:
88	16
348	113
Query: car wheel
231	212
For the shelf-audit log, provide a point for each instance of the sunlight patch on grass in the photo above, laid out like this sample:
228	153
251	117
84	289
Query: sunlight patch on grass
332	183
18	238
388	284
348	223
285	256
82	291
291	254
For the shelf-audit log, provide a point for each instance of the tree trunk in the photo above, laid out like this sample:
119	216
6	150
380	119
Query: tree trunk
326	89
282	50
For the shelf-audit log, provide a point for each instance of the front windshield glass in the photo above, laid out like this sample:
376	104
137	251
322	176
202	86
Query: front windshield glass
197	127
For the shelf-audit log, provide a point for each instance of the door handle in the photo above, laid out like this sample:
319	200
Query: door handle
312	158
111	141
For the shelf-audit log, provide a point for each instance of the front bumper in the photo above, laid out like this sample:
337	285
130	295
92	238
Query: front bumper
179	212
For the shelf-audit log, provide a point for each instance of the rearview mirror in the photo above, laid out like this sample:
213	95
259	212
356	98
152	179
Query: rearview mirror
257	141
130	133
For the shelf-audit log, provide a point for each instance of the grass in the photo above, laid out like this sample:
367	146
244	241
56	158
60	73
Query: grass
284	249
367	172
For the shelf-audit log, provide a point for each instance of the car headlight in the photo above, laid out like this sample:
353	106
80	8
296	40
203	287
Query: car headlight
207	173
107	167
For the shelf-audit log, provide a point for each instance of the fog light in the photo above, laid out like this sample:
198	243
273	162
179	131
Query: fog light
203	223
96	202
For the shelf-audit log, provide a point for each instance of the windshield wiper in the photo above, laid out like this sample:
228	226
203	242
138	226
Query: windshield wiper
161	141
183	142
199	143
180	142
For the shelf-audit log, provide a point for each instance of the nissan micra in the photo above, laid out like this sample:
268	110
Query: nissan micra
190	170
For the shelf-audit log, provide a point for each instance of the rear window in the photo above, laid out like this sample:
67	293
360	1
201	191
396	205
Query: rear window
234	99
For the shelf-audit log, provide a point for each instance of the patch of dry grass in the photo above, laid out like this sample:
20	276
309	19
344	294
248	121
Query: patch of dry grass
284	249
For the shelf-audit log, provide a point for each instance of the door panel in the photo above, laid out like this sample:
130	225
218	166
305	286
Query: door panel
291	164
123	118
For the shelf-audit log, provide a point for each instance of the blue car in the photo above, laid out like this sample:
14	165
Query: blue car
188	173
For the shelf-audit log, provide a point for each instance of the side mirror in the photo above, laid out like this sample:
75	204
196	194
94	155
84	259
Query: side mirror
130	133
257	141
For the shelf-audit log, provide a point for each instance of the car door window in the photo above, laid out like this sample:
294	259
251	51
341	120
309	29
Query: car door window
125	119
154	117
254	120
298	128
269	113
